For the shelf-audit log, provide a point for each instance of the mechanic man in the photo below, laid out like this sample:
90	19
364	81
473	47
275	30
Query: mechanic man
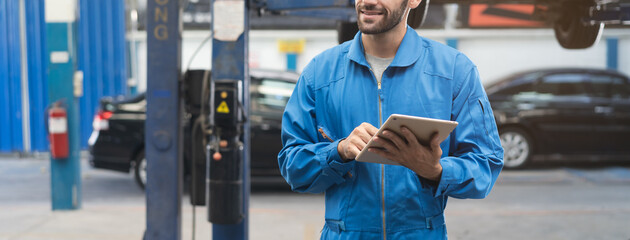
349	89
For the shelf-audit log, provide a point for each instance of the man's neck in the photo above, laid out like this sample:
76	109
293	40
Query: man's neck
384	45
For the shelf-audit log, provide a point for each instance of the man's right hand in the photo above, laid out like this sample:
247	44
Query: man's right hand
350	147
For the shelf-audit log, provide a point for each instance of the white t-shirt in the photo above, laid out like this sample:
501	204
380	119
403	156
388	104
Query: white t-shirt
378	65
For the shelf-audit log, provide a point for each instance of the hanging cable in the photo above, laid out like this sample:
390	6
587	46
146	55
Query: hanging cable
197	51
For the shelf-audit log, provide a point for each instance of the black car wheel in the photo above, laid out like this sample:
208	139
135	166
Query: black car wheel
140	170
571	33
517	146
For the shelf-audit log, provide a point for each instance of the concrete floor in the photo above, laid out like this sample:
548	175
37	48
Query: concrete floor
553	202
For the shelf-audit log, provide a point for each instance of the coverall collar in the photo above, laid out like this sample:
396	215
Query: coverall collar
408	52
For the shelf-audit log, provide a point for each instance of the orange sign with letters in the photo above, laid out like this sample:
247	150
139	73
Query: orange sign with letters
502	15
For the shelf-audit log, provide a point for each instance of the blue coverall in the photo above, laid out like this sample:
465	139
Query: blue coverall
337	92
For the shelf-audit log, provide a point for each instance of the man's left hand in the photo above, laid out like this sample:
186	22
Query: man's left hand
424	160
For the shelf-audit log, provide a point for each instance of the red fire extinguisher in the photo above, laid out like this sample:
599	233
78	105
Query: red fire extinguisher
58	131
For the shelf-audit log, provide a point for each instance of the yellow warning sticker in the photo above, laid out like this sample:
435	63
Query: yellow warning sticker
223	108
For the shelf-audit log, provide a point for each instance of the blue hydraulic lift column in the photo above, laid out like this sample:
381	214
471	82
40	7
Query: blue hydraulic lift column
65	173
162	135
230	38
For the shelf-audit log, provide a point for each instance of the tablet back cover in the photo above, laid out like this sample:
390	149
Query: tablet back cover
423	128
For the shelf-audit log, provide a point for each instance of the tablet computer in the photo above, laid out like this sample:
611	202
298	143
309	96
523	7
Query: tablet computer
422	127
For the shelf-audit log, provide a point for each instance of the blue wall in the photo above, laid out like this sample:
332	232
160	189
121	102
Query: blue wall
37	68
5	128
10	77
102	55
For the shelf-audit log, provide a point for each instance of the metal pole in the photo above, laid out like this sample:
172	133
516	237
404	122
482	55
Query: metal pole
132	83
230	38
26	117
162	135
65	173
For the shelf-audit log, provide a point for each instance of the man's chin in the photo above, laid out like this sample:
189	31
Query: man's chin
370	30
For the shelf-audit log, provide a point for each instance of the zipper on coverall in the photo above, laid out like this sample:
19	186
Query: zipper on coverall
380	123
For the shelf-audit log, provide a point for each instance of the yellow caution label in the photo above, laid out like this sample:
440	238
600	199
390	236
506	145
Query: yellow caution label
223	108
291	46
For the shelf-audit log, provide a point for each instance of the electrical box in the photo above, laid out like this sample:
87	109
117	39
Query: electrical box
226	109
225	188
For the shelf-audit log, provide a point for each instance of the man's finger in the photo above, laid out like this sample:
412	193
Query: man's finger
358	143
382	153
409	136
394	138
355	152
365	137
435	141
386	144
351	151
371	130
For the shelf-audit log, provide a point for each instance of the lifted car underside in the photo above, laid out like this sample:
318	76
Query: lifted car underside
577	23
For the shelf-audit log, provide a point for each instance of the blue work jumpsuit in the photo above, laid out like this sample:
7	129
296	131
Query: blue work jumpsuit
337	92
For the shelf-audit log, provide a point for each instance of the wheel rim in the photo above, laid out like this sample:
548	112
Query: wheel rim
516	149
143	171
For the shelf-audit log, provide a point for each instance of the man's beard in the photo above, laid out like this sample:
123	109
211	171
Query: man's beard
388	22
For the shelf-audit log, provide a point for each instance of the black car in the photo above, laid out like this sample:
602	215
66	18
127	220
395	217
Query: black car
562	114
117	141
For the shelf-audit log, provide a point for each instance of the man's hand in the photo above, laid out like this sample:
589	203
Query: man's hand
406	150
350	147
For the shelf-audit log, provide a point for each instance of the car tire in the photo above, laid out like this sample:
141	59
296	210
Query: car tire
140	170
569	30
517	146
418	14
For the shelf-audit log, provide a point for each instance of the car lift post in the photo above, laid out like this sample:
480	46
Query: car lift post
230	30
65	173
230	39
163	134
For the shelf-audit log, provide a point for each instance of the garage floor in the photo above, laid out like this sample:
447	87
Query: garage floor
552	202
